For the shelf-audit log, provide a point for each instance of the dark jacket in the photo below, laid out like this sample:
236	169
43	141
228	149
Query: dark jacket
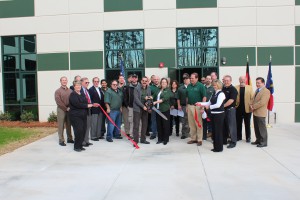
95	98
78	105
138	103
128	92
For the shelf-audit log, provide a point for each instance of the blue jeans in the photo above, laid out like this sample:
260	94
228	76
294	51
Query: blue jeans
153	125
115	115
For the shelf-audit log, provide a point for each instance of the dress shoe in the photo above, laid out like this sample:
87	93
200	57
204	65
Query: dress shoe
101	138
78	150
165	143
70	141
158	142
191	142
261	145
183	137
152	137
199	143
213	150
95	139
82	149
86	145
145	142
118	137
248	140
147	134
109	140
255	143
90	143
62	144
177	134
231	145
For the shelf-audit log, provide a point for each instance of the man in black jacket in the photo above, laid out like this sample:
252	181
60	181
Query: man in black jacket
97	96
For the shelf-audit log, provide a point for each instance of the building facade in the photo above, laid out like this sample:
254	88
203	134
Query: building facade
42	40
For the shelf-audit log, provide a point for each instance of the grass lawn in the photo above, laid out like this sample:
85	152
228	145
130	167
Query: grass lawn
8	135
12	138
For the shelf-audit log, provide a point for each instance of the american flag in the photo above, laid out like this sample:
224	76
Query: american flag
122	71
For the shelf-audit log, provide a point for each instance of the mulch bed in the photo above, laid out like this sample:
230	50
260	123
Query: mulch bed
27	125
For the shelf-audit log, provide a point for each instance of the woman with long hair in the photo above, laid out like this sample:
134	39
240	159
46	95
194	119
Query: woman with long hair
173	102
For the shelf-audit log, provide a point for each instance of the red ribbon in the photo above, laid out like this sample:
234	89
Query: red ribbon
108	117
196	118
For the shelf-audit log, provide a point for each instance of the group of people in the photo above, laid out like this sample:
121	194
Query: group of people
210	108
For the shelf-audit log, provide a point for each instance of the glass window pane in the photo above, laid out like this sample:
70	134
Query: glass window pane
12	92
189	57
28	44
28	62
210	57
134	40
189	37
112	59
15	111
209	37
114	40
11	63
134	59
10	45
29	88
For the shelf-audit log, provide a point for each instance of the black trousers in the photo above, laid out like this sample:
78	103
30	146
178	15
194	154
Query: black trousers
163	127
230	125
79	124
137	117
176	118
217	122
240	116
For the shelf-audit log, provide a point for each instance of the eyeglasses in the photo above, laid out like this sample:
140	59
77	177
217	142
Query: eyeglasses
87	82
96	81
114	84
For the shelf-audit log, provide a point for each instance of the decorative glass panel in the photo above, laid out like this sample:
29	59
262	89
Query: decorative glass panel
12	93
189	57
209	37
134	40
10	45
189	38
29	88
11	63
112	59
134	59
114	40
28	62
210	56
28	44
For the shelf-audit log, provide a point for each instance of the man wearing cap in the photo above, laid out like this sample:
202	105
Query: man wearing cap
195	93
128	101
181	101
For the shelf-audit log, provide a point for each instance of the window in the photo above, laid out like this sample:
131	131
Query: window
197	48
126	45
19	74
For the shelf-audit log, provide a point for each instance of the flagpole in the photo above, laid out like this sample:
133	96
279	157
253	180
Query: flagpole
269	125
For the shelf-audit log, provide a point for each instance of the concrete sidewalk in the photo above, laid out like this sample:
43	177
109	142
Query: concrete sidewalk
115	171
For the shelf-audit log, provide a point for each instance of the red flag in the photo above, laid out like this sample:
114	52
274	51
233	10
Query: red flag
248	79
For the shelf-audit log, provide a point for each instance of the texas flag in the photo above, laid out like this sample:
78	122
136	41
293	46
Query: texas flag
270	86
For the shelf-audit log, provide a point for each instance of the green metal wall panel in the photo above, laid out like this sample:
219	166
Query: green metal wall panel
297	86
122	5
238	56
297	2
297	112
196	3
156	56
297	35
86	60
280	55
16	8
297	55
53	61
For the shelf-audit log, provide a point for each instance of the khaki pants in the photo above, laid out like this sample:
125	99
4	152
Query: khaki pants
196	133
62	119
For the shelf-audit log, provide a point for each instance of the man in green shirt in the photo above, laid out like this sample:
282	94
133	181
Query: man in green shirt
195	92
113	101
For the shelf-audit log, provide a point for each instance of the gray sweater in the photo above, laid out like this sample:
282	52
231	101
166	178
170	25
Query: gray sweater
137	101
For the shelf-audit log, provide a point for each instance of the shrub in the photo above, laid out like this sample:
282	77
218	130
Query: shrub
52	117
27	116
5	116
